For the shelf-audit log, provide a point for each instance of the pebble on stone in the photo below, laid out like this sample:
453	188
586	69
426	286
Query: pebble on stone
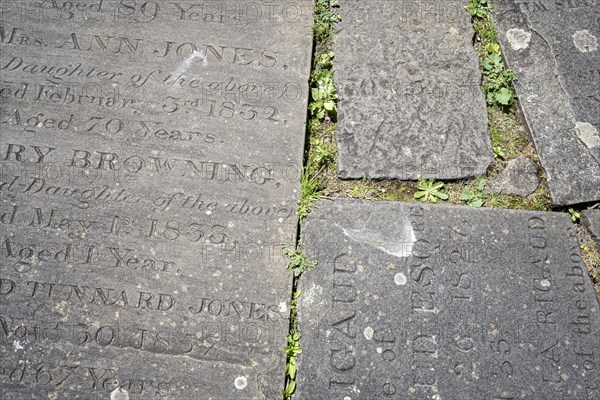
518	178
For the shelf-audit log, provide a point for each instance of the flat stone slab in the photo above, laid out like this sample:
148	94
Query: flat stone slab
410	99
151	155
414	301
591	219
518	178
553	48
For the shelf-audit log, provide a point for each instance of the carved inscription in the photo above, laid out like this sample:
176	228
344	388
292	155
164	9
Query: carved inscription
203	341
95	379
439	321
149	169
342	351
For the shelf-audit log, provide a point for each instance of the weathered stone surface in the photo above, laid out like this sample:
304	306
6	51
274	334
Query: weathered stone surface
410	92
553	47
150	171
415	301
519	178
591	219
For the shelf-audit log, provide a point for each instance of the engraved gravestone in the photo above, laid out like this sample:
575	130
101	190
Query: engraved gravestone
150	170
410	99
414	301
553	48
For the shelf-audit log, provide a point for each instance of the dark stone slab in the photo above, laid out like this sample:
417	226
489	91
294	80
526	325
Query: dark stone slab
151	154
518	178
553	47
415	301
591	219
410	92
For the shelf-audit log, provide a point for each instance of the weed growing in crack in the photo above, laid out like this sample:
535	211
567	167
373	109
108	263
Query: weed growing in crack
292	349
474	194
298	262
430	191
497	84
321	154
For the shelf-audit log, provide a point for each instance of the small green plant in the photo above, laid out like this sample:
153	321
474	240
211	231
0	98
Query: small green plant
498	80
575	215
474	196
324	95
325	60
325	19
298	262
321	154
499	152
497	85
292	350
430	191
310	191
478	8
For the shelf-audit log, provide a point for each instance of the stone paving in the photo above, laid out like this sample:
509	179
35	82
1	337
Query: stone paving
154	162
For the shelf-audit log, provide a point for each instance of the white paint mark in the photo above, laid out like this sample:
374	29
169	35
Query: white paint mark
240	382
588	134
400	279
368	332
545	283
347	398
585	41
18	346
119	394
379	350
518	38
397	241
185	65
282	307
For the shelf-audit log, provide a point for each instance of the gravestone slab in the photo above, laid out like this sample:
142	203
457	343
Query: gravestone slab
151	154
553	48
591	219
414	301
410	99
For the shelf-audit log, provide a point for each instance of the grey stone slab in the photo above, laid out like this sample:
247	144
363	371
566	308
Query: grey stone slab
591	219
519	178
414	301
553	47
410	99
151	154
